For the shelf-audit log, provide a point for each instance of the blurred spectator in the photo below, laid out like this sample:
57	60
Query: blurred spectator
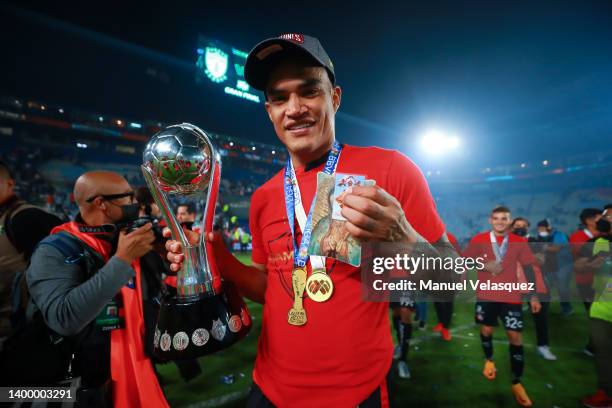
22	226
556	262
600	323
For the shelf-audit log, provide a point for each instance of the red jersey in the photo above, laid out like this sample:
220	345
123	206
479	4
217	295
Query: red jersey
480	246
577	240
344	351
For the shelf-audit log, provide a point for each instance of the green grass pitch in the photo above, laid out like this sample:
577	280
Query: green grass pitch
444	374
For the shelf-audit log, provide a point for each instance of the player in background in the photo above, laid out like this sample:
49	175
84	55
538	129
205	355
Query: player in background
503	252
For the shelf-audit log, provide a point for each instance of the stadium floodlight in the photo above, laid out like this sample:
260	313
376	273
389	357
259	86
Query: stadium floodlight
545	162
523	165
436	142
231	144
253	148
273	151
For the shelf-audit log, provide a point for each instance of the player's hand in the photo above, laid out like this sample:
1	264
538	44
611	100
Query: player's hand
372	214
175	248
135	244
494	267
540	258
535	304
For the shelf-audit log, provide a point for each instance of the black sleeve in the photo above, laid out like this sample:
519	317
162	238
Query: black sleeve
29	227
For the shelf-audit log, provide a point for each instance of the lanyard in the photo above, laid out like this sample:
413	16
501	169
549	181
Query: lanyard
294	206
499	251
588	233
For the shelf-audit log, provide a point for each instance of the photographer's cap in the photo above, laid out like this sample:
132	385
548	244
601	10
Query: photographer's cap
265	55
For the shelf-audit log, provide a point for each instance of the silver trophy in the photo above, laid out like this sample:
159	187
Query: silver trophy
206	314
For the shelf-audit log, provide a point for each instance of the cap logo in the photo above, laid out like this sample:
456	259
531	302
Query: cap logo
297	38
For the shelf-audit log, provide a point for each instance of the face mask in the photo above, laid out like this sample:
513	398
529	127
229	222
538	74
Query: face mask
543	234
603	226
129	213
521	232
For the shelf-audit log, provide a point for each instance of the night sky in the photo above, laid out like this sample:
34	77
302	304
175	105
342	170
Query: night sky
515	82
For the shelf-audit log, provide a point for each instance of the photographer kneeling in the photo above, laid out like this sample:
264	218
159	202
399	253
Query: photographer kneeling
85	282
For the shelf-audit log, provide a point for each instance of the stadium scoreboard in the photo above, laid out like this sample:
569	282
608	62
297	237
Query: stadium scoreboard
222	65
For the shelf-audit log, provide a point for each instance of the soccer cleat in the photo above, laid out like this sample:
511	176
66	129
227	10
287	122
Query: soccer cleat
546	354
521	395
397	351
489	370
446	336
422	325
598	400
402	370
437	328
588	350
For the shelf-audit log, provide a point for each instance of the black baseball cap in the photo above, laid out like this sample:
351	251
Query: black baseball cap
265	55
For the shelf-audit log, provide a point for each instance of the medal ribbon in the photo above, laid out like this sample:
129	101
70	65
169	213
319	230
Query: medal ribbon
499	251
293	205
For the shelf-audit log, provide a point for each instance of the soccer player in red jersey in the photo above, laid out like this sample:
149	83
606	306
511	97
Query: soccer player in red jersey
337	352
503	252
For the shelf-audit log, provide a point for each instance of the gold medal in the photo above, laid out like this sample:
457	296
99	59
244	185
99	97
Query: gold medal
297	314
319	286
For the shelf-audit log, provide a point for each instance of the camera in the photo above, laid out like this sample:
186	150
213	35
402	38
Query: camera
145	219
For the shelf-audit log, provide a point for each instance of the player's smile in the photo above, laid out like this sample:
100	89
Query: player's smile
300	128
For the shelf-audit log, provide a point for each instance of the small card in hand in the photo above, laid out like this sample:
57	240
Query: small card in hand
330	238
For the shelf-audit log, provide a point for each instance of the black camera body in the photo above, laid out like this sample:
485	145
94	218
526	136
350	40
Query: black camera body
145	219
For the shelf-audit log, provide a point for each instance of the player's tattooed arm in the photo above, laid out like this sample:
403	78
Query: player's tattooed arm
372	214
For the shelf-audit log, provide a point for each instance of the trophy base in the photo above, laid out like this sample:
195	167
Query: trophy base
188	329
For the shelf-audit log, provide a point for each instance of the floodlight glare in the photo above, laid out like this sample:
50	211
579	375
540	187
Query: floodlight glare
435	142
